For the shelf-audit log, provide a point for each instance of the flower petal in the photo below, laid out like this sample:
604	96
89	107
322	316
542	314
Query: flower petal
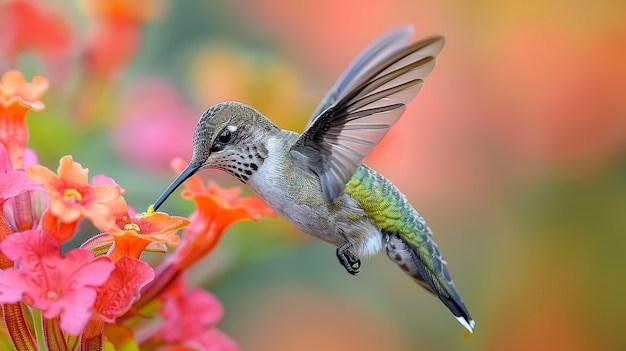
12	286
122	288
68	169
77	311
47	281
27	247
95	273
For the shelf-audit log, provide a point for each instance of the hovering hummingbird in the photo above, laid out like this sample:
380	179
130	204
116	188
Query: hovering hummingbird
317	180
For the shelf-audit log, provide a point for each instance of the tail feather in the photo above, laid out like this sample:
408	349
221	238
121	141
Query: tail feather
431	275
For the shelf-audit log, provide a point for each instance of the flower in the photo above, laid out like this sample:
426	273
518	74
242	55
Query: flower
189	320
122	288
121	10
72	198
13	182
132	233
216	210
5	231
17	96
115	33
58	286
18	214
111	45
27	26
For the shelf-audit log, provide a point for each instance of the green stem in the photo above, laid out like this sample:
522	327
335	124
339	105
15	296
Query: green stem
6	344
38	325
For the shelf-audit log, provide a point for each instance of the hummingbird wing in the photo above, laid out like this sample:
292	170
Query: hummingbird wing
375	52
363	105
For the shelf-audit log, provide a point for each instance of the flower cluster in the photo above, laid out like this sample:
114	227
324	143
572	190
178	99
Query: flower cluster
101	294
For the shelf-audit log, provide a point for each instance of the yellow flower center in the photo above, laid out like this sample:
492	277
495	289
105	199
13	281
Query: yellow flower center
72	195
132	226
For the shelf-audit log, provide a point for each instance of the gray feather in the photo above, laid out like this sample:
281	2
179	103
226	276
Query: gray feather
368	99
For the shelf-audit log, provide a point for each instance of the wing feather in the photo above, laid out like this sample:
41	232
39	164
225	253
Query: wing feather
362	106
389	43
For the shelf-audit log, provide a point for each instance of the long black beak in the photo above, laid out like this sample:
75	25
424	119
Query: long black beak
190	170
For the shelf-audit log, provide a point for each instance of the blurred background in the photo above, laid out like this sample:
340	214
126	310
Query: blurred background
514	152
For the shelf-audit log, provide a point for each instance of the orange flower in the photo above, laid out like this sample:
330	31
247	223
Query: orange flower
216	210
131	11
27	26
72	197
110	46
17	96
132	234
115	33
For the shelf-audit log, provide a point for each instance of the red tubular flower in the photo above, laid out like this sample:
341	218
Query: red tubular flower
115	33
27	26
17	96
72	198
216	210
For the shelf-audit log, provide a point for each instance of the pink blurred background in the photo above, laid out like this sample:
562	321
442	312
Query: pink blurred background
514	152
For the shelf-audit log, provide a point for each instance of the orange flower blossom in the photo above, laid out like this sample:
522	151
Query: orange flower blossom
73	198
132	233
17	96
216	210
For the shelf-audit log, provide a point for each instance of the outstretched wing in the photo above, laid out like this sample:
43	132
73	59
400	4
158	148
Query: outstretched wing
374	53
363	105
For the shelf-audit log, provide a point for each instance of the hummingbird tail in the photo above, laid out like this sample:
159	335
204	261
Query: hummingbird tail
430	272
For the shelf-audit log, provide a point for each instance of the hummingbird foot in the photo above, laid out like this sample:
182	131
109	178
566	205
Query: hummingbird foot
348	260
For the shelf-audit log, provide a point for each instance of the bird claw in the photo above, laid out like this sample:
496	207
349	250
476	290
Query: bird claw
348	260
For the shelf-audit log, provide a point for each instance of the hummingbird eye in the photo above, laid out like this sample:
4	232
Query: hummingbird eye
226	135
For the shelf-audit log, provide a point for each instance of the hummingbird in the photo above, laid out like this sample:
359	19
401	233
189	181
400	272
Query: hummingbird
317	180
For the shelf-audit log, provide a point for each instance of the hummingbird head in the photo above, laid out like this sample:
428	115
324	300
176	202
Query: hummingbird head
229	136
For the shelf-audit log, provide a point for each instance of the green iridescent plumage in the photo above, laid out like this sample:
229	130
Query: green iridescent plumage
386	207
389	210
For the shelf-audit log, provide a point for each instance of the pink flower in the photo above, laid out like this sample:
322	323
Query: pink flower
13	182
58	286
190	317
122	288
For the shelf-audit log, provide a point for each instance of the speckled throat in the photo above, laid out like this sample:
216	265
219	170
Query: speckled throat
242	162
